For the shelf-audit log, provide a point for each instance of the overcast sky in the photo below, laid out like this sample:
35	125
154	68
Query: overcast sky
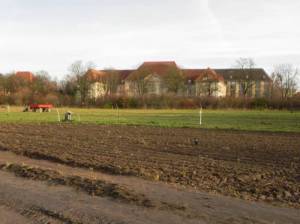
51	34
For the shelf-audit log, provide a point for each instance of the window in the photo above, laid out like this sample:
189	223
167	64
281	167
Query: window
249	92
232	88
257	89
151	87
267	89
189	87
242	88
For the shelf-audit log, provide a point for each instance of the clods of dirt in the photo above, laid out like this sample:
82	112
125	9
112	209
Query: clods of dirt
256	166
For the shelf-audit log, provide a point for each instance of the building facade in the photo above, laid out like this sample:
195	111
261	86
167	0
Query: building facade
159	78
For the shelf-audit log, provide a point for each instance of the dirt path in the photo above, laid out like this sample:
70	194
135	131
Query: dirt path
9	216
37	202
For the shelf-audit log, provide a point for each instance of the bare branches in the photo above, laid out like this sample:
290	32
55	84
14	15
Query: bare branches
79	69
208	86
246	66
245	63
174	80
111	81
140	82
285	79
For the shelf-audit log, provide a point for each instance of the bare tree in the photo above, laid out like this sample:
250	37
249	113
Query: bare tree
13	83
79	69
174	80
285	80
208	88
42	83
208	85
2	85
246	67
40	88
139	80
111	81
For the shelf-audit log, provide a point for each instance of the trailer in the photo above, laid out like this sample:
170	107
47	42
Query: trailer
40	107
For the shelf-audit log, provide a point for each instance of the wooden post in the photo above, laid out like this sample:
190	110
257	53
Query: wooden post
118	112
200	116
58	116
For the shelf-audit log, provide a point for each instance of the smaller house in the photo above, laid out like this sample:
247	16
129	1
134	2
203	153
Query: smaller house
149	78
25	75
96	86
246	82
107	82
209	83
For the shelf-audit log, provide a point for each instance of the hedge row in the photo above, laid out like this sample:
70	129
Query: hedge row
174	102
161	102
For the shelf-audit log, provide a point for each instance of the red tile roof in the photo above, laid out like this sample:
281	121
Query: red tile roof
28	76
97	74
211	75
94	75
198	74
158	67
240	74
192	74
124	73
162	68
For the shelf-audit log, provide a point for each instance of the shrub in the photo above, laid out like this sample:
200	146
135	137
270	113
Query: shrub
259	103
155	102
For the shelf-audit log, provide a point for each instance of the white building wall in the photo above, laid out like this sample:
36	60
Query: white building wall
221	89
96	90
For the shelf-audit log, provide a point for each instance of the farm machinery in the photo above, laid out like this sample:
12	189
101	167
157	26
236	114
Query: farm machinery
38	107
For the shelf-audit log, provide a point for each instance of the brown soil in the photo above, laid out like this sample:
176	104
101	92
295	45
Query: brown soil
39	203
248	165
92	187
9	216
255	166
42	203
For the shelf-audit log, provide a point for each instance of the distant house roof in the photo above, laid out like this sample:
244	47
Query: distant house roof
158	67
210	74
240	74
28	76
94	75
124	73
192	74
198	74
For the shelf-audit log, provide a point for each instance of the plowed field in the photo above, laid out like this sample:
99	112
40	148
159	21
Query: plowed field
249	165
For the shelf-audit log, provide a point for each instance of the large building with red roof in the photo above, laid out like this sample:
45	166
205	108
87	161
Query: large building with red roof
166	77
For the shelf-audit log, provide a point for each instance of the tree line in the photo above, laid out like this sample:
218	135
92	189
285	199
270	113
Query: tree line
73	89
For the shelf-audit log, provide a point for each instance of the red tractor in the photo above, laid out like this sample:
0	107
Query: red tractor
39	107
